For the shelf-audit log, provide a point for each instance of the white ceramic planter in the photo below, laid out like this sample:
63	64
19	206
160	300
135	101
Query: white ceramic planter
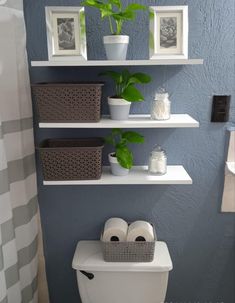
119	108
116	168
116	46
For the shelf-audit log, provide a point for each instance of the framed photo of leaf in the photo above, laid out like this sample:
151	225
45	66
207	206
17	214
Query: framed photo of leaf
66	33
168	32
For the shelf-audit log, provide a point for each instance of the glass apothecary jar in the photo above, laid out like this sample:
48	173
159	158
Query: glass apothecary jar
157	161
161	106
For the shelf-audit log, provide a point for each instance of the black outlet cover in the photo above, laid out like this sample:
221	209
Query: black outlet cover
220	108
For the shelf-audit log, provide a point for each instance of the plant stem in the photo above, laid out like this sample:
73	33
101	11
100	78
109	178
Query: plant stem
118	90
119	26
111	26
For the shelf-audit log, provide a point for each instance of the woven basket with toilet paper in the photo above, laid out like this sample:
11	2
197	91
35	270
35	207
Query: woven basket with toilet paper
123	242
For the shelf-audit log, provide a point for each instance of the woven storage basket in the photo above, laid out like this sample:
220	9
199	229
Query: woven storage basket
71	159
129	251
68	102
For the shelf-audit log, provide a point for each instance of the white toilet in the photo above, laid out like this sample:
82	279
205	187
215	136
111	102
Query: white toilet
105	282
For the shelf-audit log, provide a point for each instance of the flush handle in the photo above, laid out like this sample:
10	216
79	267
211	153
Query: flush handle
89	275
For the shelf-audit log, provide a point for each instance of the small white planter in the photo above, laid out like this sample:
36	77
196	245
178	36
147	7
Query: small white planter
119	108
116	168
116	46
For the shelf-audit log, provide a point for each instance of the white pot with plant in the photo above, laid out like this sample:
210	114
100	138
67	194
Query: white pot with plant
125	92
115	44
121	160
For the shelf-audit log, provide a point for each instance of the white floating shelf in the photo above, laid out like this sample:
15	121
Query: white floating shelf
176	174
134	121
118	62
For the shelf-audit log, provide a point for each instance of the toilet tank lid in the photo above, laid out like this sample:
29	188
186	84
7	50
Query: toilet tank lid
88	256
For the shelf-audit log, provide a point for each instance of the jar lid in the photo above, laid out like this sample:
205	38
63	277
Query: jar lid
158	151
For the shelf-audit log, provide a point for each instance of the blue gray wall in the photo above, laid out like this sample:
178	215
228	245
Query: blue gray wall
188	218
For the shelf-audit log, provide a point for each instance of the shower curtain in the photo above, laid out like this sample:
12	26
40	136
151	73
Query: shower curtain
19	232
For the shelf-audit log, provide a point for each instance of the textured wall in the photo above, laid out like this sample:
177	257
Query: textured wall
200	238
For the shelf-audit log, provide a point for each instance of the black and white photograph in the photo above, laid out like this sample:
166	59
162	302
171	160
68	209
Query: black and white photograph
168	32
66	36
168	36
66	33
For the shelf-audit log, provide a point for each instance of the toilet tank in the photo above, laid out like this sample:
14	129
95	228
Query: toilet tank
117	282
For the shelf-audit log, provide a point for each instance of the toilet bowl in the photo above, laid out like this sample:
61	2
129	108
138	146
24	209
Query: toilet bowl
116	282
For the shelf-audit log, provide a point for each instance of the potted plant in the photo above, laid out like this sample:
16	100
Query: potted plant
125	92
122	159
115	44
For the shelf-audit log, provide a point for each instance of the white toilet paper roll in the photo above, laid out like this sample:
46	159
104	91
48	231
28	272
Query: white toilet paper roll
140	231
115	229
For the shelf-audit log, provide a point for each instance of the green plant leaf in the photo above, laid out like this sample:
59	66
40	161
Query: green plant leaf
113	9
113	75
116	2
125	84
127	15
93	3
133	137
132	94
141	78
106	10
116	131
119	140
124	157
125	75
123	142
105	13
135	6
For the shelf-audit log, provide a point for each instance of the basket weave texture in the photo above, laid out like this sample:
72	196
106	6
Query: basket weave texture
129	251
71	159
66	102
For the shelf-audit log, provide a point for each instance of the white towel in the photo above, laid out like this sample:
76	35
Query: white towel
228	202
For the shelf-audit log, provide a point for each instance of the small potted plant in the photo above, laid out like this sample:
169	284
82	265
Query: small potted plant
125	92
122	159
115	44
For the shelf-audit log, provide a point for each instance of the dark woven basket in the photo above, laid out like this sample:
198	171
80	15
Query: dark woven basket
129	251
71	159
68	102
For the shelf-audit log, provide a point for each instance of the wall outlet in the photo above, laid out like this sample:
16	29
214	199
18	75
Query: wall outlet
220	109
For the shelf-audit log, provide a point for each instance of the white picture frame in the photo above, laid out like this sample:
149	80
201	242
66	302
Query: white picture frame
66	33
168	38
